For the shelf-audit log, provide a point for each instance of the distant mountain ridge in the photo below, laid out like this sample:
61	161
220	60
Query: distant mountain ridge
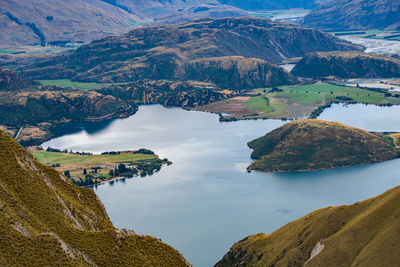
183	51
58	22
355	15
41	22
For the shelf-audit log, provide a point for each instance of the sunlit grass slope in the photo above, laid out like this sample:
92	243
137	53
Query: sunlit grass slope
363	234
45	220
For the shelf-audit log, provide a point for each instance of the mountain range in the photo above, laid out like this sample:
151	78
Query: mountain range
355	15
230	52
58	22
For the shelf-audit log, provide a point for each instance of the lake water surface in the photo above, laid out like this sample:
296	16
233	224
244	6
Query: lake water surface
206	201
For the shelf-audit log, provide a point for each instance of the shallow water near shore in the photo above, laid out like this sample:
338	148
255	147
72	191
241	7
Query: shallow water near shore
206	201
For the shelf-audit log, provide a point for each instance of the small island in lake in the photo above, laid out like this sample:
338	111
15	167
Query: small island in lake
305	145
87	169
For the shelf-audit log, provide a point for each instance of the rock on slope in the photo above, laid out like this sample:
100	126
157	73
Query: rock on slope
47	221
366	233
316	144
347	65
355	15
39	22
162	52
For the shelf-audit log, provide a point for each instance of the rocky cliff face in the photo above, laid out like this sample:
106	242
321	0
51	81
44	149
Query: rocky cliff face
355	15
47	221
347	65
160	52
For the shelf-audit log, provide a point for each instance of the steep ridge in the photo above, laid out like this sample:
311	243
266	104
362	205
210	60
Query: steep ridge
363	234
355	15
347	65
163	52
47	221
41	22
315	144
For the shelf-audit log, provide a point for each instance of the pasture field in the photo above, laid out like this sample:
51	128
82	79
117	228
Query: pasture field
77	85
296	101
65	159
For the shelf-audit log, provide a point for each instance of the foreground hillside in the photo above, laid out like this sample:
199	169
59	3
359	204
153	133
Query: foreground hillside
315	144
201	50
347	65
47	221
355	15
363	234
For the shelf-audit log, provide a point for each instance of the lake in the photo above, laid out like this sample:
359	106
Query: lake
206	201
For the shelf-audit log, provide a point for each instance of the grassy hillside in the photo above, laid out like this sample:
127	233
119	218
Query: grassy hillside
347	65
47	221
315	144
363	234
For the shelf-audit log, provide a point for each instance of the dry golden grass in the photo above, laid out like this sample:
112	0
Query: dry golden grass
363	234
45	220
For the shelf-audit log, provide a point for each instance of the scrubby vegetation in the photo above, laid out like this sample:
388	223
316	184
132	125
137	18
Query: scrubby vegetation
47	221
314	145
